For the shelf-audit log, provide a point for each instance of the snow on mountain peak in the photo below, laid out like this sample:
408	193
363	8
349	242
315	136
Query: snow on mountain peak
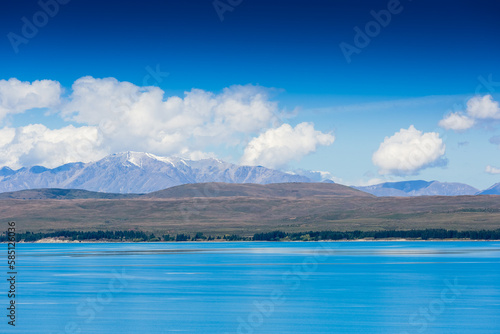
138	158
135	158
118	173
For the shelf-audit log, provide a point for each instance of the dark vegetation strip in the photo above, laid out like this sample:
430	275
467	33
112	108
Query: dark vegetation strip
138	236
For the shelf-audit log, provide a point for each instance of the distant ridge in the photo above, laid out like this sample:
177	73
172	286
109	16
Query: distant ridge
419	188
54	193
275	190
211	190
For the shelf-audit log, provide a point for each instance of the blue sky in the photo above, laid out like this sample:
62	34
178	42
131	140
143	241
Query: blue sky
427	62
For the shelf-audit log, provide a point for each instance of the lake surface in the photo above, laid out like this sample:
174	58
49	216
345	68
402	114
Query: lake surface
257	287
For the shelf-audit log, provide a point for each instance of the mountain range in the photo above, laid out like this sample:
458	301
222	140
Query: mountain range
136	172
419	188
141	173
493	190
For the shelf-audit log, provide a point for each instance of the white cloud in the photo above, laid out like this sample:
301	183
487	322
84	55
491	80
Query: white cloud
479	108
120	116
483	107
276	147
408	151
35	144
18	96
141	119
370	182
197	155
456	121
492	170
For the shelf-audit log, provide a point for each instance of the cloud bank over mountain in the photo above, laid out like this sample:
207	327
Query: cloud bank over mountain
108	115
17	96
276	147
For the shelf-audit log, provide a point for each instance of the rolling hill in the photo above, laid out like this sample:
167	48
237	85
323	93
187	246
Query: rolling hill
209	190
247	209
275	190
55	193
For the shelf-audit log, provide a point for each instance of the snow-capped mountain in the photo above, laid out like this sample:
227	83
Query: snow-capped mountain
419	188
493	190
135	172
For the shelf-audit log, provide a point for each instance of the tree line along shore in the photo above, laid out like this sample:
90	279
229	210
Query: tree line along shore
140	236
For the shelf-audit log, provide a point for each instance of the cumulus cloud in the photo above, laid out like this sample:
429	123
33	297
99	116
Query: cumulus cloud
36	144
456	121
114	116
483	107
409	151
277	147
18	96
479	108
142	119
492	170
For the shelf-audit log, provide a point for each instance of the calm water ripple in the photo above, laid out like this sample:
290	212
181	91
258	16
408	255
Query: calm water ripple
257	287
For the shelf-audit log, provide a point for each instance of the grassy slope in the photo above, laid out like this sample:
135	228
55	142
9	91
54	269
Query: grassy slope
255	208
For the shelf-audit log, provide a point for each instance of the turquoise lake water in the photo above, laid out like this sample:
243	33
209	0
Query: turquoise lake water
256	287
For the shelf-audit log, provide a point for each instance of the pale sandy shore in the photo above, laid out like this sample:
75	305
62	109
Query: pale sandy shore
54	241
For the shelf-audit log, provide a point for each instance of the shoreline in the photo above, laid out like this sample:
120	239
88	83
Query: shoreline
55	241
272	236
